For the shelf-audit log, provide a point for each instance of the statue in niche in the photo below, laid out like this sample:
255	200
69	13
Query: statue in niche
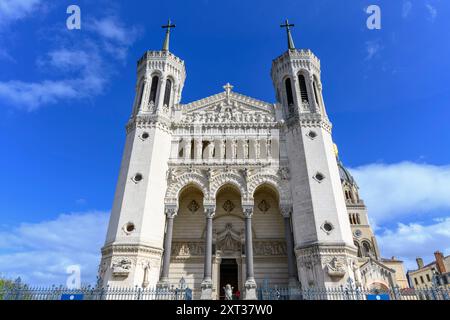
246	149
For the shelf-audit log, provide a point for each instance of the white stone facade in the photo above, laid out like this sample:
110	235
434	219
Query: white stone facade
229	186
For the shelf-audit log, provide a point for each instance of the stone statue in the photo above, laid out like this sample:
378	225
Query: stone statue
228	292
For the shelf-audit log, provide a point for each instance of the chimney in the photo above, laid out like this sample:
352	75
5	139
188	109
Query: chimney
419	263
440	261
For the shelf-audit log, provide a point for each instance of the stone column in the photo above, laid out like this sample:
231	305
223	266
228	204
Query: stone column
223	143
233	149
171	212
198	149
286	212
250	284
207	274
160	93
257	149
187	148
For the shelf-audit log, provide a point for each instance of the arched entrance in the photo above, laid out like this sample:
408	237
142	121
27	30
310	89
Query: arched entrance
270	250
188	250
228	241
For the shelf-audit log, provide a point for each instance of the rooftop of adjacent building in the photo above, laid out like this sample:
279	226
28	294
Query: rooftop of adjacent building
441	264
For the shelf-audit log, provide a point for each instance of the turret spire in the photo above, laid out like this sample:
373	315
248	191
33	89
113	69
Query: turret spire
168	26
289	36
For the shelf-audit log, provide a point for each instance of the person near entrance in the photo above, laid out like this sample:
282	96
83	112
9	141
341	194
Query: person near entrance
228	292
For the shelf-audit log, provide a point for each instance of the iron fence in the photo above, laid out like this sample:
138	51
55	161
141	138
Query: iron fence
24	292
88	293
343	293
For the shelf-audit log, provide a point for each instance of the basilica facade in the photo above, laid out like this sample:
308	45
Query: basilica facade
233	190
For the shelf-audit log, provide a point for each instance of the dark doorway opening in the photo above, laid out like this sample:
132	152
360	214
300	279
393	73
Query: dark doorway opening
228	275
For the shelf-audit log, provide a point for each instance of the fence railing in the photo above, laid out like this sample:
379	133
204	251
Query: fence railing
343	293
88	293
263	293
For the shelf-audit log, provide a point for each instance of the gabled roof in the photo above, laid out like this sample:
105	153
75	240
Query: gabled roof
232	97
373	261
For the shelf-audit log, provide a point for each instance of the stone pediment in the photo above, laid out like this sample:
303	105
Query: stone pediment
227	107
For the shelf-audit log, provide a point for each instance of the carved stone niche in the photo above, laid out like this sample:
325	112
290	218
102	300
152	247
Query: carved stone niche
228	241
335	267
121	267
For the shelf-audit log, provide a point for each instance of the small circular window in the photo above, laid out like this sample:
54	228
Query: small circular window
312	134
130	227
145	135
138	177
327	227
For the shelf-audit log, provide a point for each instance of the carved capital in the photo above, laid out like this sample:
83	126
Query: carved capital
210	211
171	212
248	211
286	210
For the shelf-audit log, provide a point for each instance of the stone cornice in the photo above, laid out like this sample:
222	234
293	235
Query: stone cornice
311	120
130	249
166	55
149	121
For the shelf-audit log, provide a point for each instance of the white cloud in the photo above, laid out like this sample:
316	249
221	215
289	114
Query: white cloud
372	48
406	9
30	96
117	36
40	252
12	10
396	191
113	29
86	73
409	241
432	11
85	70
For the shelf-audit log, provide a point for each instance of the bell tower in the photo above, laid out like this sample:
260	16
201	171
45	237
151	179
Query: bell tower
324	246
133	249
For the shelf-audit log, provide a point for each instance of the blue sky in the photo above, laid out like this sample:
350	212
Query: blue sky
65	97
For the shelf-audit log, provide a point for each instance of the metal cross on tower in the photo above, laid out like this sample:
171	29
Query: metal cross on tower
288	31
168	26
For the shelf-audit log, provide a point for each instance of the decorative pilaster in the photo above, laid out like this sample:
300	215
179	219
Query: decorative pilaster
257	148
207	277
286	211
171	212
250	284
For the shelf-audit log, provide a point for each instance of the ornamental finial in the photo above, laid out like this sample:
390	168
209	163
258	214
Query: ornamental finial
228	87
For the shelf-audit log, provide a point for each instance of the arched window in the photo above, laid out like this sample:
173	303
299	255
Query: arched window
358	221
141	94
350	218
290	97
367	249
303	91
359	248
316	95
153	89
167	92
